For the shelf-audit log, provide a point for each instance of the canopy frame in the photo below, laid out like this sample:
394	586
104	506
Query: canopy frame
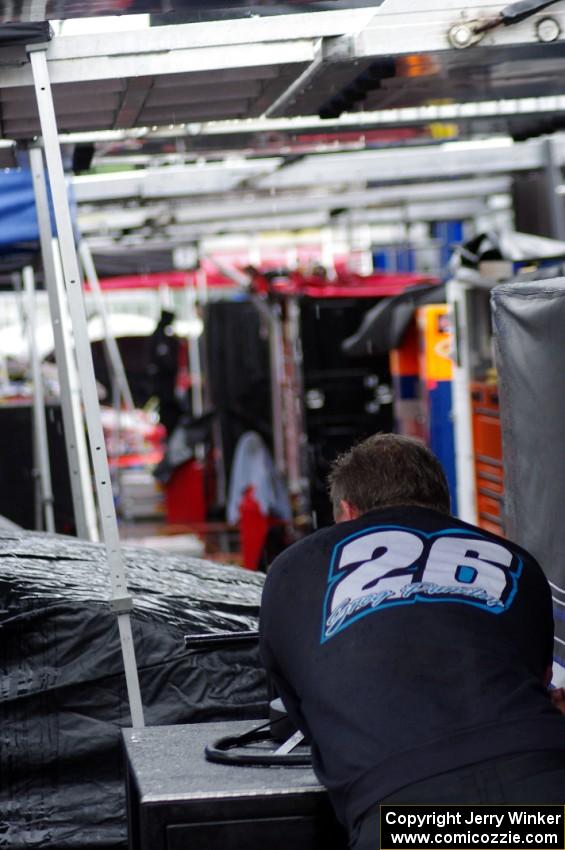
121	600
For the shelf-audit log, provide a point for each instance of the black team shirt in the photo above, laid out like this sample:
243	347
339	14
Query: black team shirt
407	643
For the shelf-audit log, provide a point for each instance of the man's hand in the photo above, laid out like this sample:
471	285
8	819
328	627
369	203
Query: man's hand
557	697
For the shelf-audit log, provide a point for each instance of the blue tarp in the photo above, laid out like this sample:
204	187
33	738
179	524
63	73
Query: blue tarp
18	219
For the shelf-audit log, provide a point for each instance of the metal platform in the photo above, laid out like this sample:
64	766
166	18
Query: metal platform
178	799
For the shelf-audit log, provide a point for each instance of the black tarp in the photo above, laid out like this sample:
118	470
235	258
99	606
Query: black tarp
15	33
130	262
237	363
62	689
384	325
522	251
529	321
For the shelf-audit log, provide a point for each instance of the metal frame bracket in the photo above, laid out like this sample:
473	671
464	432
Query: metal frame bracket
122	604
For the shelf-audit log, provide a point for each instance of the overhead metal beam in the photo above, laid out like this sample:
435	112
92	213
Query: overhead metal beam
163	61
386	195
436	211
179	234
190	47
244	31
328	50
111	219
170	181
133	100
304	80
502	109
395	117
448	160
300	221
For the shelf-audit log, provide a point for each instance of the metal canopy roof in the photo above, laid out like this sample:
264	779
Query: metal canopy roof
170	74
396	54
404	57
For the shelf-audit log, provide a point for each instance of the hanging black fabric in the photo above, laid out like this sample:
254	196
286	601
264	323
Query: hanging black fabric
385	324
237	356
530	357
130	262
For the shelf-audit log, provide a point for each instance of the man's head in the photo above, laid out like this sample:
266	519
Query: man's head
383	471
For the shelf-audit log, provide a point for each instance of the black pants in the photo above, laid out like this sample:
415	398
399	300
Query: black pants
534	778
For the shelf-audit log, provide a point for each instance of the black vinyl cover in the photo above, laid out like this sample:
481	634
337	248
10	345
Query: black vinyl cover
237	357
385	324
25	33
529	322
115	264
181	446
504	245
62	689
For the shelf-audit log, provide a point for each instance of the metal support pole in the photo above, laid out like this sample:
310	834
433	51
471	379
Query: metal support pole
457	299
109	341
121	600
553	176
276	361
41	443
217	431
75	440
194	358
121	392
195	368
296	439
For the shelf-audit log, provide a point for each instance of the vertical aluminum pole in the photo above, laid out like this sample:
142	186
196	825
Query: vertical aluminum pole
194	360
41	443
276	364
121	600
75	439
217	435
294	418
121	393
554	178
457	299
195	369
109	341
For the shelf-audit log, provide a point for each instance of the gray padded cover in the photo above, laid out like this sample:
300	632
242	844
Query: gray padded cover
529	327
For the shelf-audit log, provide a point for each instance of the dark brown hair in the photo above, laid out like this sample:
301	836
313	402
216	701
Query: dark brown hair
386	470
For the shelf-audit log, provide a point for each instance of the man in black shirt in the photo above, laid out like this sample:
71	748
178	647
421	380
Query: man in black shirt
414	650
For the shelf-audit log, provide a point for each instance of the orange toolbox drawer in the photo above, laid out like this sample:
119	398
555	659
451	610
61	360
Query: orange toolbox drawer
490	505
489	487
487	435
493	527
489	469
